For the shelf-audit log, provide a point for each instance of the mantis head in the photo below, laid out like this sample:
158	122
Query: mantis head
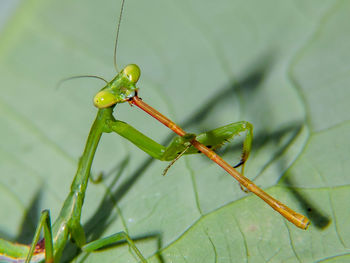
120	89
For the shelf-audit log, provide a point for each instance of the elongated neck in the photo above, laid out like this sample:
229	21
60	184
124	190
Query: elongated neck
80	181
69	217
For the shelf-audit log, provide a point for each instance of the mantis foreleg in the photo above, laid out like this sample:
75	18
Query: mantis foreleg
213	139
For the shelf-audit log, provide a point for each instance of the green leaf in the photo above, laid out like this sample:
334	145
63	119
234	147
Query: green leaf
282	65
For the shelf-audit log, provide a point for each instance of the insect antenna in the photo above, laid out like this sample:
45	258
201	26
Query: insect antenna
116	38
79	77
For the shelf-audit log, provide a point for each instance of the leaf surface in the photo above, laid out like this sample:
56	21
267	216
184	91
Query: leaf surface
283	66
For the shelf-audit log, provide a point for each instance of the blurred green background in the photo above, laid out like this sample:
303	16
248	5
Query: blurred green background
282	65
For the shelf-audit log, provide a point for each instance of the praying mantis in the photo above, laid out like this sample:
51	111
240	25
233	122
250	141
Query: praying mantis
123	89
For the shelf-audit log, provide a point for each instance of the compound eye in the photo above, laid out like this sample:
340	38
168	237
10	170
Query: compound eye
133	72
104	99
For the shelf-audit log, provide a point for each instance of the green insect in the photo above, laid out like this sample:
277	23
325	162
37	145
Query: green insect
121	89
